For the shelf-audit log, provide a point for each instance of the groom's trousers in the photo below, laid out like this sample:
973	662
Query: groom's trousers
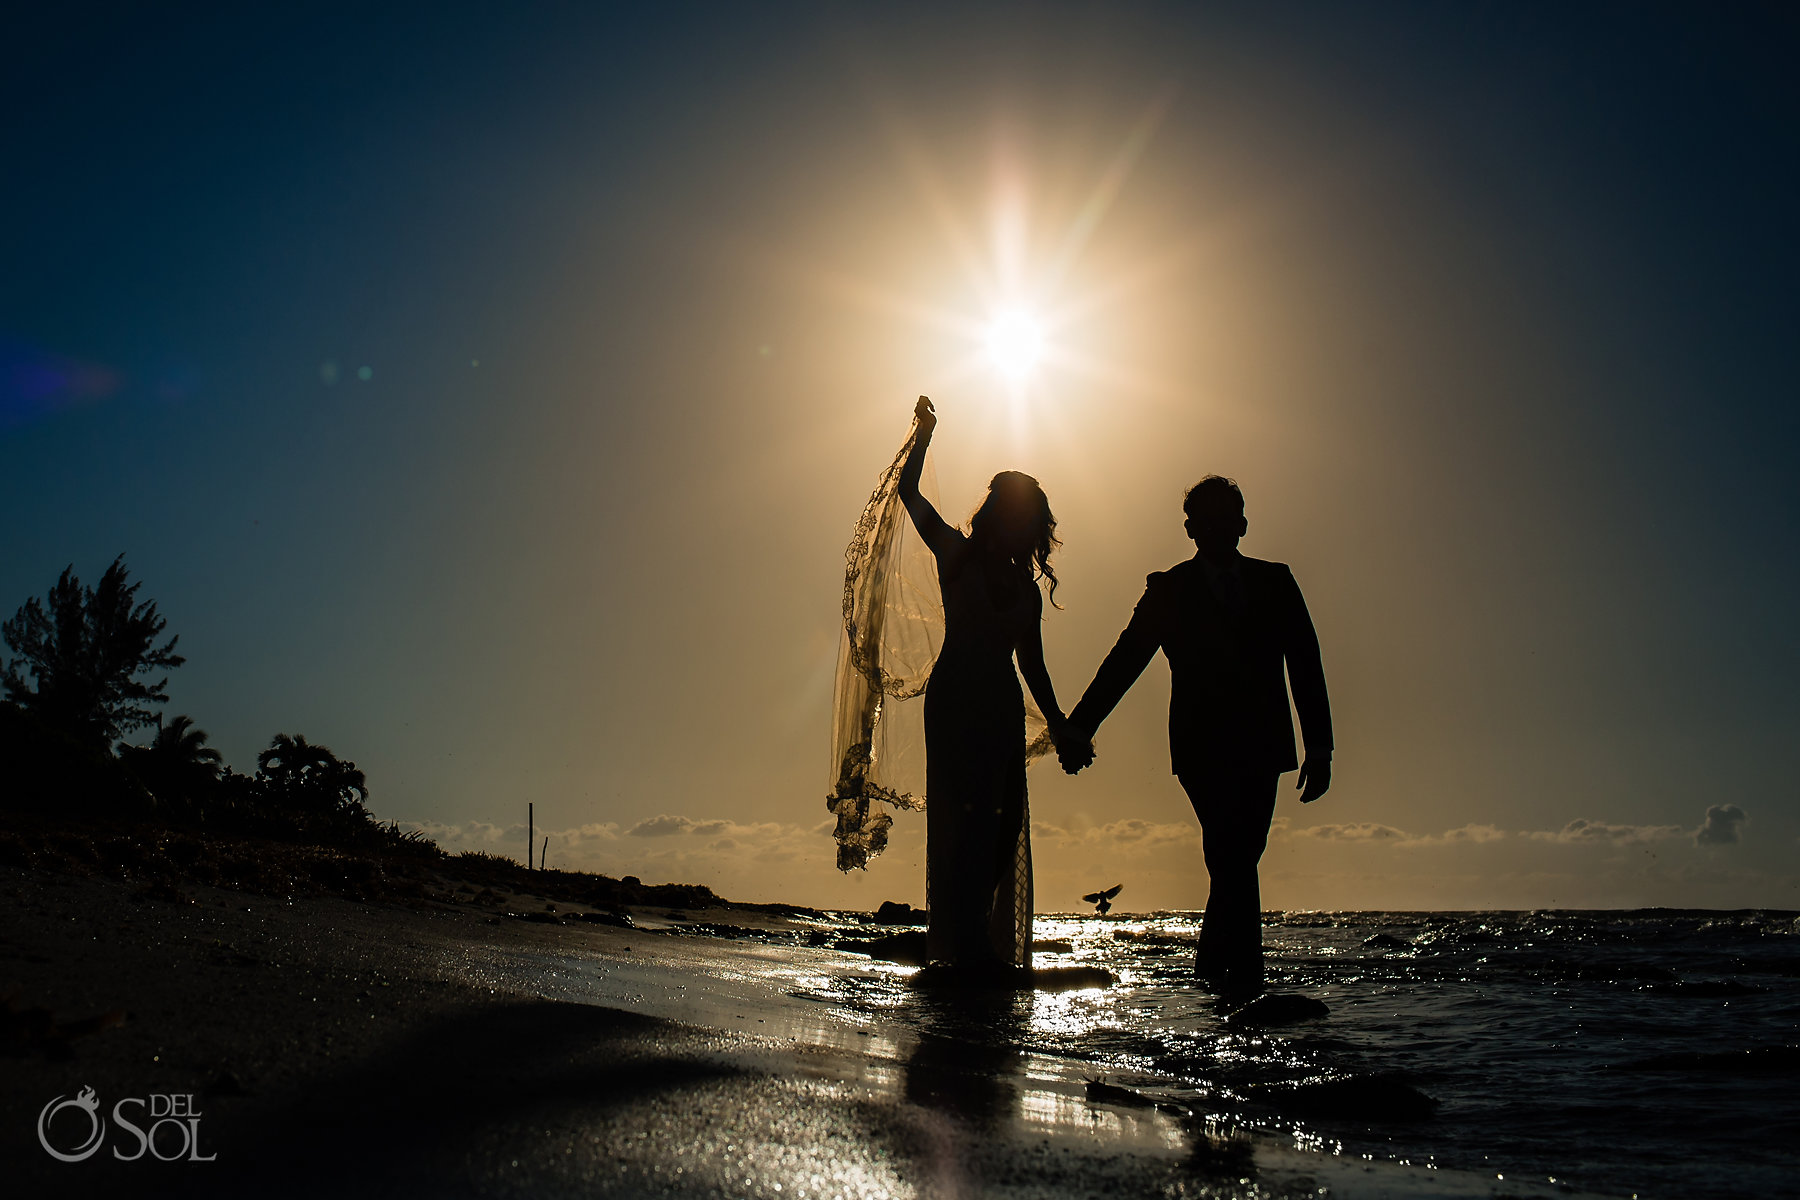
1235	809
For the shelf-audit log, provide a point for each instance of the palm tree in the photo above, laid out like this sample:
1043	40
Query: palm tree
311	782
180	743
177	765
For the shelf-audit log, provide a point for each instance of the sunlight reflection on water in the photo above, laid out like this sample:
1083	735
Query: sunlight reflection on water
1523	1025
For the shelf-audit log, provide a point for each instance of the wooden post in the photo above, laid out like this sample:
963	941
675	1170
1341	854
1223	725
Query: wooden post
530	834
543	852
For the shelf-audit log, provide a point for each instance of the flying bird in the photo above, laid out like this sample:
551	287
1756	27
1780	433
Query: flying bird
1102	901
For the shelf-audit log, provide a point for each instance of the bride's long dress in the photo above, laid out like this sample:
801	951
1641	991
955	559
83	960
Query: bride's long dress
977	825
964	745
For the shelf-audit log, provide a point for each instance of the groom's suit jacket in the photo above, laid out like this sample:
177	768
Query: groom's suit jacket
1230	662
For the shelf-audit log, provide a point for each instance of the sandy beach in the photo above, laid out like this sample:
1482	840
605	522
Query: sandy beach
321	1046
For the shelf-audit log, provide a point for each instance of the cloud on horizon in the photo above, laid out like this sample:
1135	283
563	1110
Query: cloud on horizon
1583	830
1359	831
1130	835
1719	828
1372	831
667	824
1349	863
1721	825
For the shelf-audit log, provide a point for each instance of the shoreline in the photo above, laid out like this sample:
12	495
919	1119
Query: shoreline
367	1048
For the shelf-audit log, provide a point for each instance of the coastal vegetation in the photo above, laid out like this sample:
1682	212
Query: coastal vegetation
89	665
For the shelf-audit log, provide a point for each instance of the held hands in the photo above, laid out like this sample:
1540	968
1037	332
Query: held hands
925	415
1315	777
1074	749
1075	758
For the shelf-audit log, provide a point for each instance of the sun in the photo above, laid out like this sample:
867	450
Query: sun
1015	343
1029	299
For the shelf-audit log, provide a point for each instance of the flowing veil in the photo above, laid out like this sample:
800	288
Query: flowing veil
893	627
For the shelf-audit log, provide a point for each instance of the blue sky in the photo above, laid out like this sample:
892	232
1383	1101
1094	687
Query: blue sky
1490	309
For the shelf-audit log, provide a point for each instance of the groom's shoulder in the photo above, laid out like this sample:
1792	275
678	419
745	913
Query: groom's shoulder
1175	576
1163	590
1159	591
1268	574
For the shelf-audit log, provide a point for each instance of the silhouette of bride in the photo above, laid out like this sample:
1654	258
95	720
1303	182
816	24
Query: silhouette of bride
978	837
943	614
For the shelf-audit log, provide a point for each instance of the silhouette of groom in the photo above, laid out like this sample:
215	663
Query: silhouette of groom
1236	633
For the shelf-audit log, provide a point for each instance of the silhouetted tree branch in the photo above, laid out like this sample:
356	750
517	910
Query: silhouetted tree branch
84	649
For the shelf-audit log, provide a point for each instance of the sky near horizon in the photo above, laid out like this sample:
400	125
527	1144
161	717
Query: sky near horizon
488	394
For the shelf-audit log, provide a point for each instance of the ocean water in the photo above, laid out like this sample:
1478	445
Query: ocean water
1652	1053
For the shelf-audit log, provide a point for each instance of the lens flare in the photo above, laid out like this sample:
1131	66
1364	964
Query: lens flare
1015	342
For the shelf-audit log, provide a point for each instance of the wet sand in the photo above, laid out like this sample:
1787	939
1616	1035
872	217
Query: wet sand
335	1048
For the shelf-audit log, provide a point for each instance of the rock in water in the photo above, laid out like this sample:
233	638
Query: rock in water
1354	1098
907	949
1101	1092
891	913
1386	941
1277	1008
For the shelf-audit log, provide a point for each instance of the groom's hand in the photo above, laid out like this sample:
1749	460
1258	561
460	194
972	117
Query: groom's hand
1074	750
1073	761
1315	777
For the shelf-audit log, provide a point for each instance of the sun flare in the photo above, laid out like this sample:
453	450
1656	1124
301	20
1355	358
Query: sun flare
1020	308
1015	342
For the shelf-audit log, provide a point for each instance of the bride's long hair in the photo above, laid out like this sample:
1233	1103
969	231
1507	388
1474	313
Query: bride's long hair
1016	504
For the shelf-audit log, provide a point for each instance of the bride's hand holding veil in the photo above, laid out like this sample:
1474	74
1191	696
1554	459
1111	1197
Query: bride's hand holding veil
925	415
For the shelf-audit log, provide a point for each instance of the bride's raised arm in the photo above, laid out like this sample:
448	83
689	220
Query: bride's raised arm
933	530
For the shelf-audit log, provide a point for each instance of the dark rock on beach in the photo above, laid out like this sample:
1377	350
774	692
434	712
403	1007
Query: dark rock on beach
616	919
1277	1008
891	913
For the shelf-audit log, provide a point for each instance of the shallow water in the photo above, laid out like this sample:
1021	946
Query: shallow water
1647	1052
